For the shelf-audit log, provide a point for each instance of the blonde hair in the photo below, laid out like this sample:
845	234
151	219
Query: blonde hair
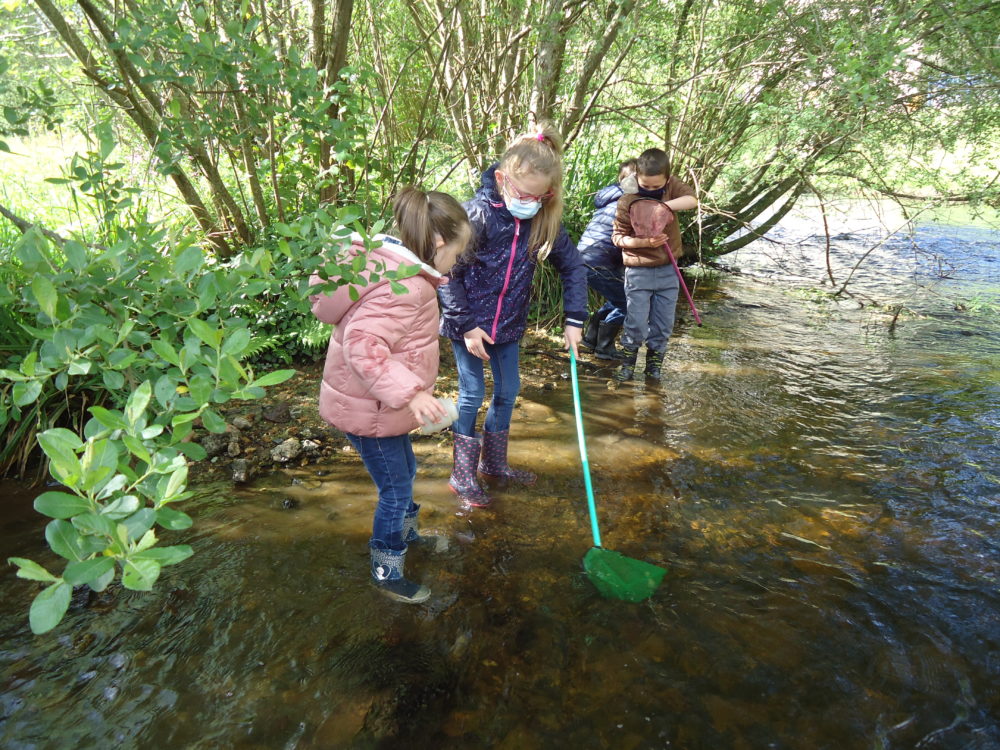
419	216
539	151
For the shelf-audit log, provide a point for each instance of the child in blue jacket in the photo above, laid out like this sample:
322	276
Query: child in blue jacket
516	223
605	272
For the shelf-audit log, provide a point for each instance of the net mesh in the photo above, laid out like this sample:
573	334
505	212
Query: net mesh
649	217
619	577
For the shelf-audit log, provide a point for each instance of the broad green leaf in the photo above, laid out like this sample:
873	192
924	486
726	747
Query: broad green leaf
166	352
59	445
113	379
165	390
193	451
64	540
147	541
213	422
86	571
137	403
116	483
94	523
32	570
190	259
273	378
61	504
49	607
76	255
45	294
200	387
176	483
26	393
123	506
100	583
166	555
28	364
139	523
140	574
136	448
110	419
174	520
237	342
208	334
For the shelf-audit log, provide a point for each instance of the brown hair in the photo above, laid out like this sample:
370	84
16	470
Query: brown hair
627	168
419	216
653	161
539	151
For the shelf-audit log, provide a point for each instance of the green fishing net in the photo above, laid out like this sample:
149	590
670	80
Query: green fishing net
620	577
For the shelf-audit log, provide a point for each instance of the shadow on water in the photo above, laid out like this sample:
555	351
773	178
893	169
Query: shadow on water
823	496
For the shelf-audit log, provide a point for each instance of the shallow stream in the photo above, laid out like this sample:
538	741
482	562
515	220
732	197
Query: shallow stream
824	493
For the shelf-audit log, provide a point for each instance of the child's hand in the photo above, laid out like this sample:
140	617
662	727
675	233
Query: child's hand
658	241
573	336
426	408
474	340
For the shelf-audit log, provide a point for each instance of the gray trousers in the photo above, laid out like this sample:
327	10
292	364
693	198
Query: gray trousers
652	306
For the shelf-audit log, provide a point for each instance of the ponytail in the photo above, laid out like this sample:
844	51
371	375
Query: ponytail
419	216
539	151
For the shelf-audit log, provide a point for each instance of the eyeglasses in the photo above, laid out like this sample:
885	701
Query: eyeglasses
509	183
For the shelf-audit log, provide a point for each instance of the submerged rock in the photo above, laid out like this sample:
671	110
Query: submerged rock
243	470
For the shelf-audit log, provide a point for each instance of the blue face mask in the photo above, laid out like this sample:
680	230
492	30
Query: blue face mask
658	193
522	209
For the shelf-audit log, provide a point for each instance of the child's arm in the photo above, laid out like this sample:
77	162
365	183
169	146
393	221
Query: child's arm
566	258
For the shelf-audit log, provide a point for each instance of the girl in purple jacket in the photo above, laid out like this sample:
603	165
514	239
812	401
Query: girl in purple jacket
381	365
516	223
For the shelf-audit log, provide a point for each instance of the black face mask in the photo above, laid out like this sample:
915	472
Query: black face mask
658	193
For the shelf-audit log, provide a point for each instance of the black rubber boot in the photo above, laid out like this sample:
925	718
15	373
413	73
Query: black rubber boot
589	340
494	460
626	370
387	576
654	364
411	534
606	335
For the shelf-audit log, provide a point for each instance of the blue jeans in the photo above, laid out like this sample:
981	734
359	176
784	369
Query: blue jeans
392	466
472	386
609	282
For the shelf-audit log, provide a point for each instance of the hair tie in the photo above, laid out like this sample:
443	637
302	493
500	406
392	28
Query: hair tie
540	137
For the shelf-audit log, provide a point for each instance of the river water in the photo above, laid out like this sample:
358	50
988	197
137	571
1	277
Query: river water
822	487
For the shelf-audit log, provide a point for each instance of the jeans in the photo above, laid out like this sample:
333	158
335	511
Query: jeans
472	386
610	283
652	306
392	466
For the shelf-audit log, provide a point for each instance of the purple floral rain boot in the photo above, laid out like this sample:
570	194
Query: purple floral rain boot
463	480
494	461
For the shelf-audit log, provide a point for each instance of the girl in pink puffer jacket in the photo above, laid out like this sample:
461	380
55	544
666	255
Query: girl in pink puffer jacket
381	366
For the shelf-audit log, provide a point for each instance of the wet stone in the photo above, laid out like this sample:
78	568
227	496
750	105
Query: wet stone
287	451
279	413
242	423
215	444
289	503
243	470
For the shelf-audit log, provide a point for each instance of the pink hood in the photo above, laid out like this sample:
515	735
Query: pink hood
384	347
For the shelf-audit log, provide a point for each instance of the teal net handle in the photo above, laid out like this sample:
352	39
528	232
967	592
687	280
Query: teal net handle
583	452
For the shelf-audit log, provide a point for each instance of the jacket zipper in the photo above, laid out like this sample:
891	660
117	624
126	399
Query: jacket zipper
506	281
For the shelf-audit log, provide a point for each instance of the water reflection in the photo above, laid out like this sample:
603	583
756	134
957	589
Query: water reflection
824	497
